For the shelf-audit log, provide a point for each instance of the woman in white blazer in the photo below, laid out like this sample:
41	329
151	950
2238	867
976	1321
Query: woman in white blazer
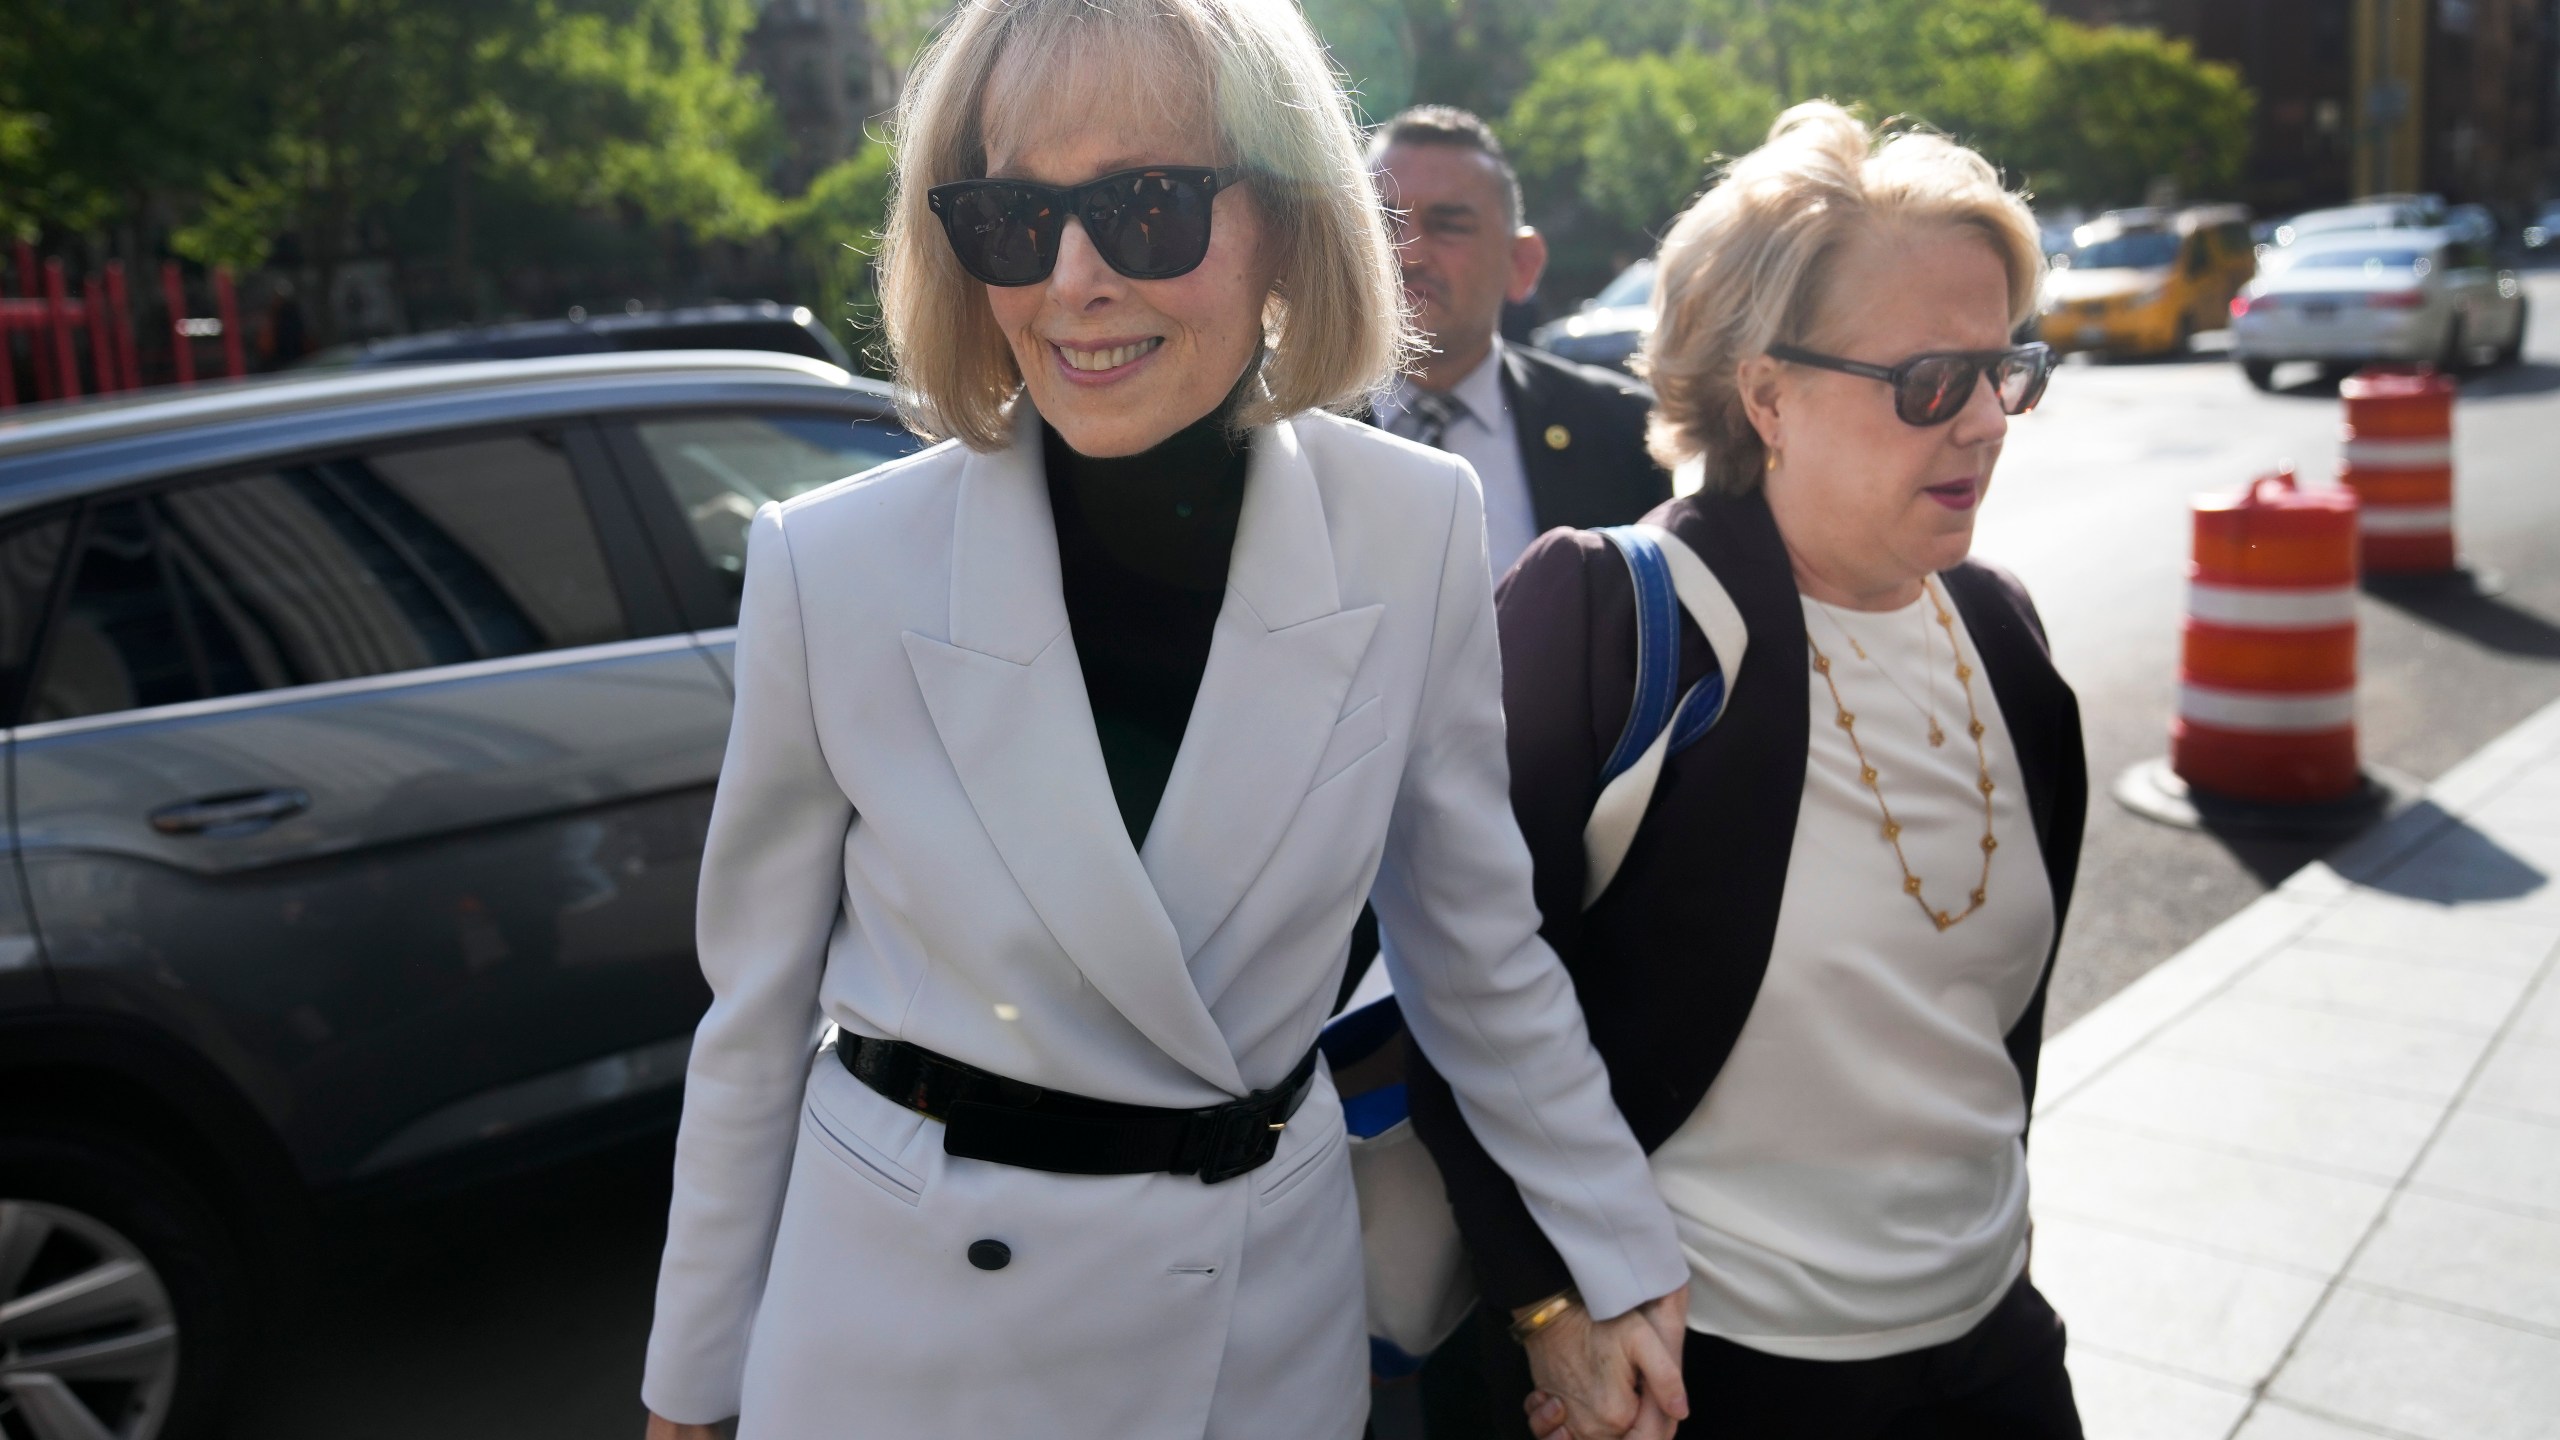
1068	855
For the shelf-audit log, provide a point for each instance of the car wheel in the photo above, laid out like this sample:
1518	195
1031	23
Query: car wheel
2261	373
120	1293
2455	357
2513	350
2183	341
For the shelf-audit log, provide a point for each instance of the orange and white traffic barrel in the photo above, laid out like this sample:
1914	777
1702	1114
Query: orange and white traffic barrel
2398	458
2267	671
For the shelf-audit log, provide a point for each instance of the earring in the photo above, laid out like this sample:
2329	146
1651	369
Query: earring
1770	460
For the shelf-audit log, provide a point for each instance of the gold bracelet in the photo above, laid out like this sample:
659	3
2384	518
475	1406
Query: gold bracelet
1545	1313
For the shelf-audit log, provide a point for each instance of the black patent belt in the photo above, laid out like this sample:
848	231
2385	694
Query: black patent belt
1011	1122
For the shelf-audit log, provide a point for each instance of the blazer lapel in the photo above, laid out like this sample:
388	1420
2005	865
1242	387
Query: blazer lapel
1727	809
1550	480
2042	714
1008	700
1280	663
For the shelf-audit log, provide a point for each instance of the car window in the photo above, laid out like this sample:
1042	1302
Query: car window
30	562
333	570
720	468
1634	286
2133	250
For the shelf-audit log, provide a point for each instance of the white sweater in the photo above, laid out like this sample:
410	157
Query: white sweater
1853	1184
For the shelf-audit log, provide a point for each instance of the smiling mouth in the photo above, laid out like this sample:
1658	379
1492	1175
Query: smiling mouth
1110	357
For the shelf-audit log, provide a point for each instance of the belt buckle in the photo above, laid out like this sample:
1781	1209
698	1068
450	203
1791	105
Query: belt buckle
1237	1140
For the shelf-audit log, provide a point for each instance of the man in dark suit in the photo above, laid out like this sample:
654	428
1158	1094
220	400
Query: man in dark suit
1554	443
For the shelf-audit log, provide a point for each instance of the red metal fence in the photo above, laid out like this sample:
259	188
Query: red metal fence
58	330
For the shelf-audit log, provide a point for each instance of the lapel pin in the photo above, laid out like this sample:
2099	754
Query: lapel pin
1558	437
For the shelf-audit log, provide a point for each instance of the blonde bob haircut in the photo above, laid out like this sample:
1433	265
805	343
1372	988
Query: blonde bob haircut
1749	263
1249	77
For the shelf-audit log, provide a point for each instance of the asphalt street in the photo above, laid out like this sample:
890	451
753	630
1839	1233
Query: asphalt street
521	1309
2090	507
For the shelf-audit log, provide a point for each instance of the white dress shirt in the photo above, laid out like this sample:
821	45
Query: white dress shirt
1854	1185
1487	439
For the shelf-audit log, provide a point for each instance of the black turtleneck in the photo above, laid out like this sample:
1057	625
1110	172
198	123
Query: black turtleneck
1143	544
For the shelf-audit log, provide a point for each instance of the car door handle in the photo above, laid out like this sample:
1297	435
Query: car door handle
243	813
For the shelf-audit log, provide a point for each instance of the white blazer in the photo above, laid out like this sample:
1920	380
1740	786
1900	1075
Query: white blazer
915	838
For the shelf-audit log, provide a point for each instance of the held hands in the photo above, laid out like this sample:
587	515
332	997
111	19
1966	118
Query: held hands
662	1428
1610	1379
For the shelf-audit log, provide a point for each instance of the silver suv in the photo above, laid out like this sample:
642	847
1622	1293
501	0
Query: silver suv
362	732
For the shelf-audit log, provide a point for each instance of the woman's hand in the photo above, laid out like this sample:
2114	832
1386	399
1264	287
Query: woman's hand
1613	1379
662	1428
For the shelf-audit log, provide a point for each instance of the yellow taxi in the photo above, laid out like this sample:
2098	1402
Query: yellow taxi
2142	282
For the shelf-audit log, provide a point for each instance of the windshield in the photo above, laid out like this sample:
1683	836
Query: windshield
2139	250
2372	259
1634	286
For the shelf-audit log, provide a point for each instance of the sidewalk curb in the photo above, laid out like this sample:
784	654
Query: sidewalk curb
2091	1045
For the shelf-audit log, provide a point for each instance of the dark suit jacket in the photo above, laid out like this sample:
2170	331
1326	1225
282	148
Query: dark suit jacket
1669	962
1581	432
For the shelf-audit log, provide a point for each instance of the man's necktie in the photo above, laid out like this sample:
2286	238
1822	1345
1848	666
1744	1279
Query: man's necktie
1432	414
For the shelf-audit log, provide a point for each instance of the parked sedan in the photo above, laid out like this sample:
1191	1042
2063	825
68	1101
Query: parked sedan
2346	298
363	730
2544	232
1610	327
2377	213
751	325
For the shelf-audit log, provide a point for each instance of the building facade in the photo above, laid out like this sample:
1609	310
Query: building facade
2362	97
825	75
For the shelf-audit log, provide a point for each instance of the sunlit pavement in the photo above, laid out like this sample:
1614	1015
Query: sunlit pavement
522	1311
2302	1182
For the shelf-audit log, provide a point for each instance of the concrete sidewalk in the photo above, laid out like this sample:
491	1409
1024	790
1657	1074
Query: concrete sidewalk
2302	1182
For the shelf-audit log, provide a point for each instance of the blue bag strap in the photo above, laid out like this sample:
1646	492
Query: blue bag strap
1657	647
1698	711
1669	579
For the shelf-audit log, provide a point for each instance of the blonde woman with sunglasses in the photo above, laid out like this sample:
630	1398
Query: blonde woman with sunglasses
1065	755
1817	969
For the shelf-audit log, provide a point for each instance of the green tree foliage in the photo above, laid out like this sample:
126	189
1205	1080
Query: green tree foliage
1635	99
1894	56
230	124
834	234
104	103
640	103
347	108
1629	136
2106	112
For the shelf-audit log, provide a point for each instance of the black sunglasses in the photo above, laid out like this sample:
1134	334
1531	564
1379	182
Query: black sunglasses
1934	388
1148	224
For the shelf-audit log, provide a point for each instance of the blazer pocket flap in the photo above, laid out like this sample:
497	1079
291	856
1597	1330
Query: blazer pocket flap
840	1132
1354	736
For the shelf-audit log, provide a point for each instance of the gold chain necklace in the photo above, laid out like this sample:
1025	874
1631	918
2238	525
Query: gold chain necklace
1928	712
1848	722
